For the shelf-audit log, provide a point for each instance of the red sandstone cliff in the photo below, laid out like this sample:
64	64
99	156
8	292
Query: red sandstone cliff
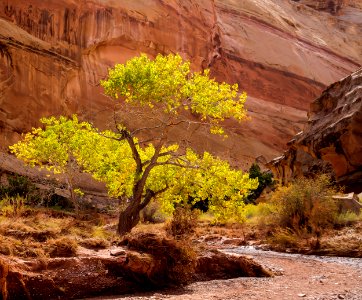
331	141
283	53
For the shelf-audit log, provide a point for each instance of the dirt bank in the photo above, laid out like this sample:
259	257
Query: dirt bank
299	277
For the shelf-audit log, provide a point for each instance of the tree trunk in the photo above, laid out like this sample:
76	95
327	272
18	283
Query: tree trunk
73	197
128	219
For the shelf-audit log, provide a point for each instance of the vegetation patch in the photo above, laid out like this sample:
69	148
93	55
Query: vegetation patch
62	247
95	243
183	223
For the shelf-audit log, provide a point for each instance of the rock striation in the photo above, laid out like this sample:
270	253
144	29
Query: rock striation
284	53
331	6
331	141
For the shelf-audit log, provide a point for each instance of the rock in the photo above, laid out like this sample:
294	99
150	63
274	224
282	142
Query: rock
234	242
331	6
331	141
349	202
118	252
157	263
302	295
52	56
222	266
212	238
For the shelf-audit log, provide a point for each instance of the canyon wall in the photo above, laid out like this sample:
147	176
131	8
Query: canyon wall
283	53
331	141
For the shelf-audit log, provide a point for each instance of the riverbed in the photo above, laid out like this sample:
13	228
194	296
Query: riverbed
296	277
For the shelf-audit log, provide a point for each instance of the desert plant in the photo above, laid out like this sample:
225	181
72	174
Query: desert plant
259	214
12	206
95	243
285	238
183	223
17	186
348	218
62	247
306	204
152	213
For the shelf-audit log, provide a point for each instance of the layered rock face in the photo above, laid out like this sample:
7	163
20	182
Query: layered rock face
332	139
332	6
53	54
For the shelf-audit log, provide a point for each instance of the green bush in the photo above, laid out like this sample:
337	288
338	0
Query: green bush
306	205
17	186
264	178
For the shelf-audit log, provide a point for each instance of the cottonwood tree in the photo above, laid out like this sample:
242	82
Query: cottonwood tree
144	157
49	149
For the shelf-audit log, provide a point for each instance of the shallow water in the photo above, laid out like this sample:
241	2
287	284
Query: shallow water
252	251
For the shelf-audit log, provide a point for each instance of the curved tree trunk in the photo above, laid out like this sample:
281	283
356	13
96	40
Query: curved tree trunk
128	219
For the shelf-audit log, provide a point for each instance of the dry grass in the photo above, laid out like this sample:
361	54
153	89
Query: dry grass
183	223
95	243
44	233
150	228
62	247
347	241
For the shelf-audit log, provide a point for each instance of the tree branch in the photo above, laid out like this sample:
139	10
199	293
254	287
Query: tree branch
145	128
139	186
177	165
136	156
149	195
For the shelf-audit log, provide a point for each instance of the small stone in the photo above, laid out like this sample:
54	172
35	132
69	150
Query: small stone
118	253
340	296
302	295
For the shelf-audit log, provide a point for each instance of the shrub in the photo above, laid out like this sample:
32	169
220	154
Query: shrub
348	218
17	186
261	214
62	247
95	243
285	238
306	204
264	178
183	223
12	206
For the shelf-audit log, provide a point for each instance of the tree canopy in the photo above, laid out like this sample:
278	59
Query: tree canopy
139	171
168	83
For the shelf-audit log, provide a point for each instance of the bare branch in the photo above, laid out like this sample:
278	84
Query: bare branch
145	128
149	195
148	140
177	165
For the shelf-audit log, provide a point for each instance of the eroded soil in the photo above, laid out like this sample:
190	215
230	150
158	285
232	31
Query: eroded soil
298	277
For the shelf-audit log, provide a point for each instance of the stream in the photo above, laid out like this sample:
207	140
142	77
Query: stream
255	253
